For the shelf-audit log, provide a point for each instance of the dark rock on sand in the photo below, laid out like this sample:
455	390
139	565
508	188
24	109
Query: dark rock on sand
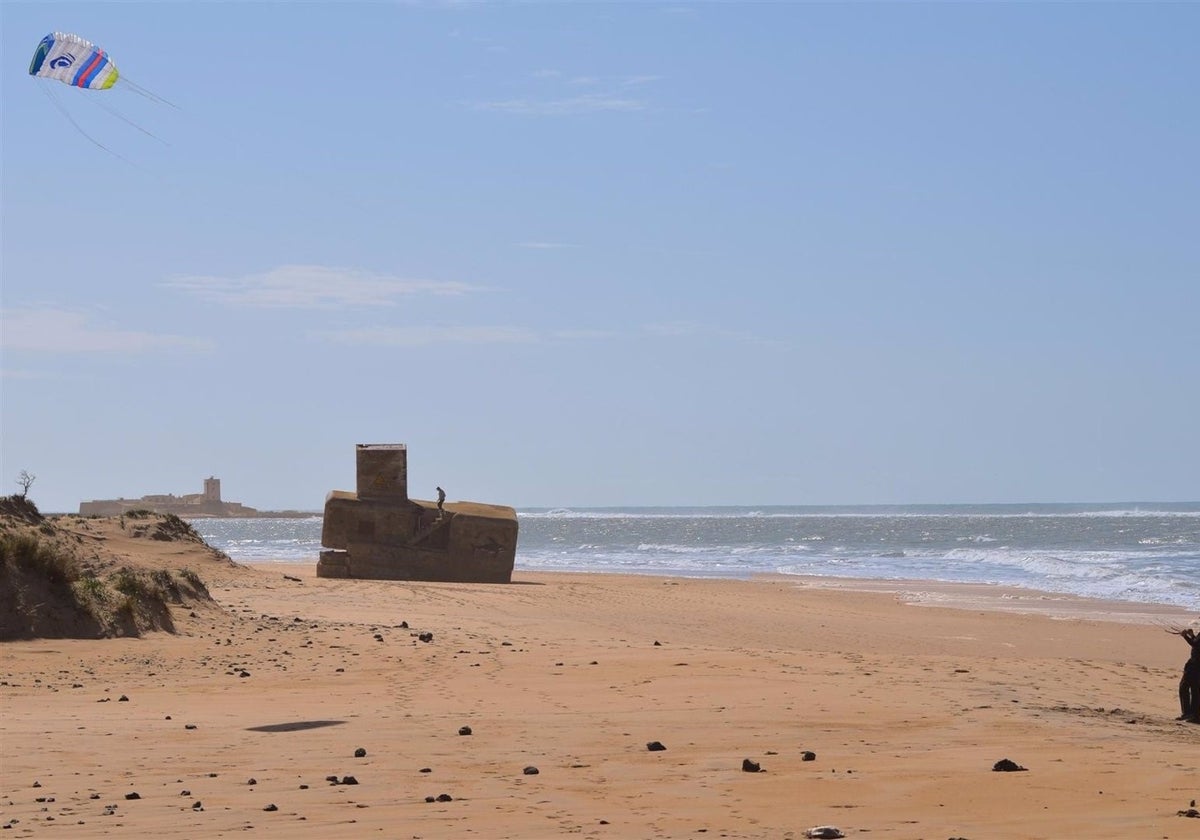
271	807
445	797
349	780
808	755
1004	765
1190	812
361	752
749	766
133	795
655	746
530	771
824	832
464	730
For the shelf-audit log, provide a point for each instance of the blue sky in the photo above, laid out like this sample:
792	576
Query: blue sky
607	254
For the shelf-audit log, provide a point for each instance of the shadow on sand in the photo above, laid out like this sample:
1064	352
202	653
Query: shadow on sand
294	726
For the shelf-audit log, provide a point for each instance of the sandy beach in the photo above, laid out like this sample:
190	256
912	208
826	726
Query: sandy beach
880	709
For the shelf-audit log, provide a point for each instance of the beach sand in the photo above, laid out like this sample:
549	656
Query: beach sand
904	696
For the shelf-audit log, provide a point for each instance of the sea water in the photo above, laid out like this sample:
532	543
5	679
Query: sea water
1133	552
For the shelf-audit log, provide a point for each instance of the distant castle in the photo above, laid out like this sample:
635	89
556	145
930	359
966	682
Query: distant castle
207	503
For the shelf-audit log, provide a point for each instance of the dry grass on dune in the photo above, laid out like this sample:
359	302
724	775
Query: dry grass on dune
77	577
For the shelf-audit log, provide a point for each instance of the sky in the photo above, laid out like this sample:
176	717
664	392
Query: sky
606	254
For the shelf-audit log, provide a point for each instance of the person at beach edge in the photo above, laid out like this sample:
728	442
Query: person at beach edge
1189	684
441	498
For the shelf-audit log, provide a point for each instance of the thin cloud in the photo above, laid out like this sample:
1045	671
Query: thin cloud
585	104
311	287
49	330
673	329
582	334
584	81
691	329
10	373
577	93
544	246
422	336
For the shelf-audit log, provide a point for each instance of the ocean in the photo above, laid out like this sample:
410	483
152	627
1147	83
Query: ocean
1132	552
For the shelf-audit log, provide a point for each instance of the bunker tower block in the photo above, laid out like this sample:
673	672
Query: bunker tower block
379	533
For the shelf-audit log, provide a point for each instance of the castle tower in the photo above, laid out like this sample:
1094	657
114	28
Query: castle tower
382	471
212	489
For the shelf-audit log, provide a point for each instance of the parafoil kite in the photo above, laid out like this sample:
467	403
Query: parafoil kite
79	63
73	61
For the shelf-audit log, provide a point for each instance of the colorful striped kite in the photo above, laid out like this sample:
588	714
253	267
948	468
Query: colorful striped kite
73	61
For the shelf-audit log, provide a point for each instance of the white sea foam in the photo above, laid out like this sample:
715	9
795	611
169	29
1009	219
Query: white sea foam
1138	552
1006	511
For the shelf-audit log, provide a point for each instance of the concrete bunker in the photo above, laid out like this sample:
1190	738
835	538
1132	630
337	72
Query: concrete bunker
378	532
